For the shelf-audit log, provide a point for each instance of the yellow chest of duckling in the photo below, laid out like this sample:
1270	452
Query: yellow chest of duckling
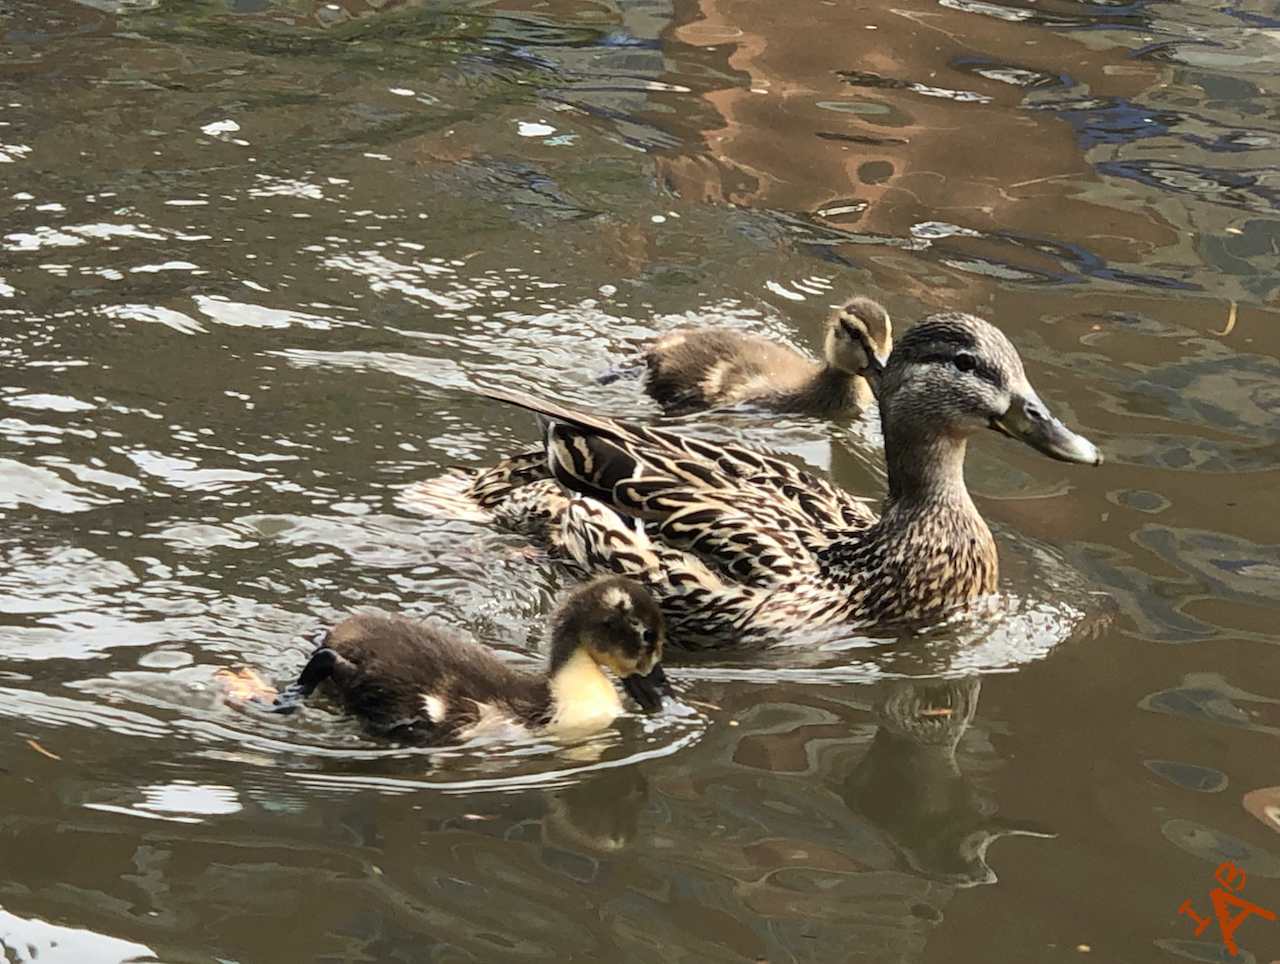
582	696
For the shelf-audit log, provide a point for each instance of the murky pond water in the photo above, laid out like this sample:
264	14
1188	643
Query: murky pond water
254	252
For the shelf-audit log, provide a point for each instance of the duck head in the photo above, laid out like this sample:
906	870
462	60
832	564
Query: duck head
859	337
954	374
619	625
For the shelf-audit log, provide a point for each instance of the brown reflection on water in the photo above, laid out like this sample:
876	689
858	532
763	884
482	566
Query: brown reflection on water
846	116
1189	429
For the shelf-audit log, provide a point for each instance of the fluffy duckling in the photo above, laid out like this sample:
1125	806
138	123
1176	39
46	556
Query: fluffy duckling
419	683
693	370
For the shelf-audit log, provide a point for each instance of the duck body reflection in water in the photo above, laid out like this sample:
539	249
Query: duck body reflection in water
741	547
910	787
599	813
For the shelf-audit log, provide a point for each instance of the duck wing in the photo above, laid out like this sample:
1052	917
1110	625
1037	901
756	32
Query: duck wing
519	493
702	609
595	454
683	504
730	512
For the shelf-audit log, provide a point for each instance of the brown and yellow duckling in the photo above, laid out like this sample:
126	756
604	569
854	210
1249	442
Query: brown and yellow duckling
419	683
742	547
696	369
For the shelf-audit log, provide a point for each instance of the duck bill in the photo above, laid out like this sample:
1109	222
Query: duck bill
874	371
1028	420
876	361
647	690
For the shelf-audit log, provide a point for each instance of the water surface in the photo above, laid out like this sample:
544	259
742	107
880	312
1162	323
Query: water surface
254	253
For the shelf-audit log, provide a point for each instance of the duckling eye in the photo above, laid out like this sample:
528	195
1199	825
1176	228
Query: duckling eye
855	335
965	362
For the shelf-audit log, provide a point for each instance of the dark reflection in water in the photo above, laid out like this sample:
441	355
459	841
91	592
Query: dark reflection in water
909	785
603	811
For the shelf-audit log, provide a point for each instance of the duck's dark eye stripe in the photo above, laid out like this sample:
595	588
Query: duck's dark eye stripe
988	373
853	332
981	368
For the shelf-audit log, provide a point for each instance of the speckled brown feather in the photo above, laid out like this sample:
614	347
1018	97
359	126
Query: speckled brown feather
765	554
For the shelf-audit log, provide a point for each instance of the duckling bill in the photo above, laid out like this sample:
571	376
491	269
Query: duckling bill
420	683
693	370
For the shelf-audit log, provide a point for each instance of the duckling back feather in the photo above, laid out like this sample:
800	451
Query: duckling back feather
693	370
690	371
423	683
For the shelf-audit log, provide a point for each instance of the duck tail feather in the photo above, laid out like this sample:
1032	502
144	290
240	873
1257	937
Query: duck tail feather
553	410
448	496
494	486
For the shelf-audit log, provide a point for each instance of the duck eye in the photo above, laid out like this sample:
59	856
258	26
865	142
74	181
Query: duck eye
965	362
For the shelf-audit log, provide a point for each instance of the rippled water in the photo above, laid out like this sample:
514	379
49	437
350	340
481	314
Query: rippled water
254	253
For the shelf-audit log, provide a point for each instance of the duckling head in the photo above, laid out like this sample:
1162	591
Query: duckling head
954	374
859	337
618	625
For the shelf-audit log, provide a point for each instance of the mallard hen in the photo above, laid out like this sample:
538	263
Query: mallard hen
739	546
421	683
693	370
